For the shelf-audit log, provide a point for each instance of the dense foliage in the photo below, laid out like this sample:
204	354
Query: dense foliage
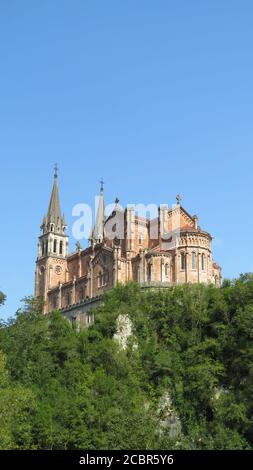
61	388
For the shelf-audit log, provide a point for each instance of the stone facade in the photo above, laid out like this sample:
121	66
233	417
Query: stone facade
126	248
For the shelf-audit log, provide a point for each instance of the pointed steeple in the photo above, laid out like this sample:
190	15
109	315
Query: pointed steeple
54	210
98	230
54	220
51	264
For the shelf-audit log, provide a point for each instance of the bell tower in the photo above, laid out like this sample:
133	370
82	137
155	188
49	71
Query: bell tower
51	263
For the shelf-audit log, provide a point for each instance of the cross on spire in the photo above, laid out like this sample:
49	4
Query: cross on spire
56	170
102	185
179	199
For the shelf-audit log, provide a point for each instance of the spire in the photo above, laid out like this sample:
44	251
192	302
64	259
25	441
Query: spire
98	230
54	210
54	215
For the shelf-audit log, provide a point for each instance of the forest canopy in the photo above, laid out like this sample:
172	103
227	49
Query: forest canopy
184	381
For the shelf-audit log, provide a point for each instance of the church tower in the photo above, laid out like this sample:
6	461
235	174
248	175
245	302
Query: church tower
51	264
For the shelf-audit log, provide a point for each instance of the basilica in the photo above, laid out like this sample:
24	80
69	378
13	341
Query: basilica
164	251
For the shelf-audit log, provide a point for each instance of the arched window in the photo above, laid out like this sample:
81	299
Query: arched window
140	238
68	298
61	247
194	260
182	260
203	262
55	246
54	301
216	280
42	270
100	279
43	248
81	293
46	247
166	269
149	273
105	278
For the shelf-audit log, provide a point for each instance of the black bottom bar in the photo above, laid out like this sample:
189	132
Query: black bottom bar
112	459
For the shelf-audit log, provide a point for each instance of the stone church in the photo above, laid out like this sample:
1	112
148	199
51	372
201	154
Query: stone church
167	250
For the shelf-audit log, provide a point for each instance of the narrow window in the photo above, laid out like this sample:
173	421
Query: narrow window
149	273
166	269
193	260
182	261
54	302
104	279
68	298
61	246
100	279
203	262
81	293
55	246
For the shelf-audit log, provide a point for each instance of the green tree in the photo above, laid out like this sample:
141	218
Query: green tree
61	388
2	298
17	405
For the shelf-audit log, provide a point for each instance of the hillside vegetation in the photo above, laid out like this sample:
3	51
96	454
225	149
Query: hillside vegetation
184	381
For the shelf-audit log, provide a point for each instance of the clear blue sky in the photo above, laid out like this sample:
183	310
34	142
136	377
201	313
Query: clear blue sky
156	96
